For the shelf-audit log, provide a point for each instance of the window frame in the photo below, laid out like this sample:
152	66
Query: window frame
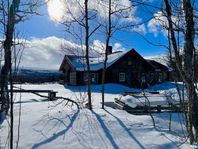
122	76
93	77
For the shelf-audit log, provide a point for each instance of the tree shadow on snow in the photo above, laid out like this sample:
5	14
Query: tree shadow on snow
113	88
2	118
32	101
96	88
109	104
106	131
175	116
166	86
58	134
127	130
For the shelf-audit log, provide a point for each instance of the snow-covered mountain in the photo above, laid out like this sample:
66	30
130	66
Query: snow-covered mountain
159	58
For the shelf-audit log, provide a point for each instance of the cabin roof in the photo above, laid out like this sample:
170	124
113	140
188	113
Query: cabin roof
97	63
157	65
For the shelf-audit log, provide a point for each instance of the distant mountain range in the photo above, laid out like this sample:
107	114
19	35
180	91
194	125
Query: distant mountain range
30	71
36	76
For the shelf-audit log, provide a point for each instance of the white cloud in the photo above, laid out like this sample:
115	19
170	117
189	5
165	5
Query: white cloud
71	9
42	53
140	29
122	9
56	10
47	53
154	25
118	47
98	46
157	24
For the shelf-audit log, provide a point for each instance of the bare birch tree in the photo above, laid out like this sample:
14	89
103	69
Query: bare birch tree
77	23
108	36
178	19
11	12
186	68
116	12
87	54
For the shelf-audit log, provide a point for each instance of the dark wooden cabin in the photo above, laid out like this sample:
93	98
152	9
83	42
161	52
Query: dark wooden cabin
127	68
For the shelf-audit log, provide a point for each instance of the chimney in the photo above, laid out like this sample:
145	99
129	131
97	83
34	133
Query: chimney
109	50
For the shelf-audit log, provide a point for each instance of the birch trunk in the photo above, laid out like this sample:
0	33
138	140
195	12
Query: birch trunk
108	36
189	70
87	54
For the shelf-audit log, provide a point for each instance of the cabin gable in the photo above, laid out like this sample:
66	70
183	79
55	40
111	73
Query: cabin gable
129	70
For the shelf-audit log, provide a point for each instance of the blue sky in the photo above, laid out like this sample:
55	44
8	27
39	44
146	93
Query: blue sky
42	27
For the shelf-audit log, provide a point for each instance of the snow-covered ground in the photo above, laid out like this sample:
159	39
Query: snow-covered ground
58	125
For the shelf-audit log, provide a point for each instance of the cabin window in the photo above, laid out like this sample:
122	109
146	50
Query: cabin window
85	76
122	77
93	77
129	60
160	77
143	78
157	70
152	75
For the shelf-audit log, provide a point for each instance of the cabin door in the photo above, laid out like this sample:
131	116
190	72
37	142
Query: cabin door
72	78
134	79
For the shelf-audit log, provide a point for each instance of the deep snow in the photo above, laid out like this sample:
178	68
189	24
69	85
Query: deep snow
55	125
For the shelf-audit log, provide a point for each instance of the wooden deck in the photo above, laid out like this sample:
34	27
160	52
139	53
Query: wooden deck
146	109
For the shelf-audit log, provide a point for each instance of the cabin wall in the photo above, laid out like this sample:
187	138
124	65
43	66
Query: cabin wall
157	76
82	77
129	70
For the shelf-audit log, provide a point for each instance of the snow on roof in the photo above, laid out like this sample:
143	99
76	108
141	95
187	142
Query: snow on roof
96	63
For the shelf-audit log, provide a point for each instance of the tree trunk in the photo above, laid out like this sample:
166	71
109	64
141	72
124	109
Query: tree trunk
6	74
108	36
178	63
87	54
7	45
186	71
189	70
